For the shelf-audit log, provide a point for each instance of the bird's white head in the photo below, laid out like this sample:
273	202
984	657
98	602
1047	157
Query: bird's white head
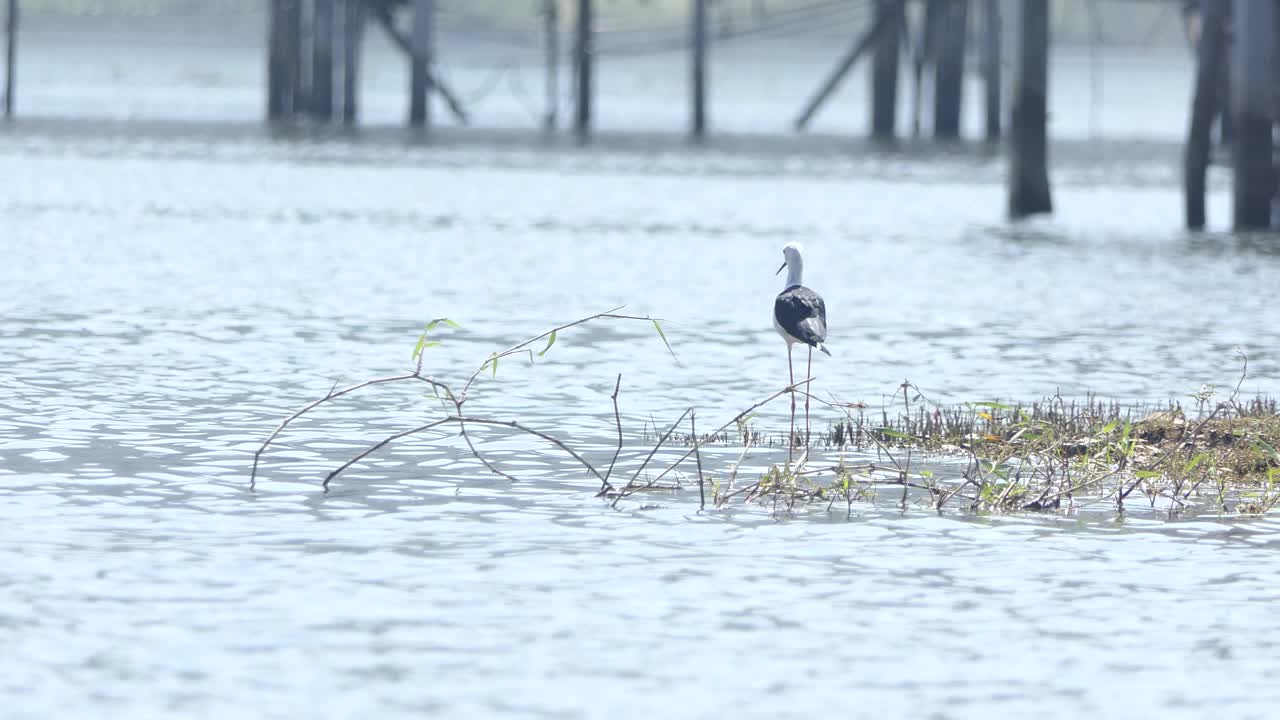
793	261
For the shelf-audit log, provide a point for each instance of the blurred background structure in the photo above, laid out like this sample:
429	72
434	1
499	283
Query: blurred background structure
942	69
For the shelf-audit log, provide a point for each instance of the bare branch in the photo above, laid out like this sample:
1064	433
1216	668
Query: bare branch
702	492
374	448
654	451
331	395
523	428
617	419
519	347
697	444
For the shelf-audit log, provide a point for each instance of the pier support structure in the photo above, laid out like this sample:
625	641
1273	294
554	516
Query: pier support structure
1028	131
1253	72
583	60
698	70
354	17
886	61
881	23
10	55
420	52
324	23
991	58
1212	55
951	32
551	26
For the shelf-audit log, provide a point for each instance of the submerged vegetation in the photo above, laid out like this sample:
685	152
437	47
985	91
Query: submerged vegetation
1053	455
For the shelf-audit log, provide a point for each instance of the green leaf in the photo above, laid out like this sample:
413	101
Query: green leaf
550	341
1109	427
1195	461
494	360
893	433
926	474
1266	446
658	326
422	339
993	405
1145	474
432	325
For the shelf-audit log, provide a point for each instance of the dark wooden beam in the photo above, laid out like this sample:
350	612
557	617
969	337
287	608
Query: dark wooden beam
864	42
583	54
1253	95
324	26
1028	132
886	61
699	69
1204	106
420	50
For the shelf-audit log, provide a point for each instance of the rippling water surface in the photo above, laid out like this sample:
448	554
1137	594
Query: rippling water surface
168	294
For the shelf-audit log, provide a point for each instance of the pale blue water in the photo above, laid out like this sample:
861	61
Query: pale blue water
170	291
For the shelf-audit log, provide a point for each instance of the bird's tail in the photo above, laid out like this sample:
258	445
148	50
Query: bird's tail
823	348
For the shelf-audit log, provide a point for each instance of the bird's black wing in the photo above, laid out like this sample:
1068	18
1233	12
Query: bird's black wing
802	313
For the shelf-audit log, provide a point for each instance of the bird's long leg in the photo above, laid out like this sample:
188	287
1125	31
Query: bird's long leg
791	436
808	373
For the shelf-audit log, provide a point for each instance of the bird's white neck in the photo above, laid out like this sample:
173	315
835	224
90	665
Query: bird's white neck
795	269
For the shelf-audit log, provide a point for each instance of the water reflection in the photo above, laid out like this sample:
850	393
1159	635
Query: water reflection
154	332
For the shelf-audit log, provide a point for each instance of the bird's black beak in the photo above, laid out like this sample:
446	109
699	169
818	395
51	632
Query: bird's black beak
784	264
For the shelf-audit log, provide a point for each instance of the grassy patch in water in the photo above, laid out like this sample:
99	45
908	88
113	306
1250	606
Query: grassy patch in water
1048	455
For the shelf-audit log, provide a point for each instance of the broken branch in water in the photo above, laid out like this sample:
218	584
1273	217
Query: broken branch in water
457	399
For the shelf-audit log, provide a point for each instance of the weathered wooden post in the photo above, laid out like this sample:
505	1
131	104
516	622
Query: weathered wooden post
948	78
352	40
324	25
280	61
420	59
992	47
551	18
879	24
1254	187
885	63
1204	106
1028	132
582	62
921	53
10	55
302	59
699	69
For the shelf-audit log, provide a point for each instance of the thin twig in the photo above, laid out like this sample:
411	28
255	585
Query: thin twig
654	451
736	418
374	448
702	492
524	428
520	347
331	395
617	419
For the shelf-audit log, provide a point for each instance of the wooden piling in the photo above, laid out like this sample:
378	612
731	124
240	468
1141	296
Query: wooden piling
420	63
10	56
324	26
1211	56
885	64
551	20
1028	132
302	58
948	79
279	61
699	69
921	53
582	63
1254	182
992	49
878	25
352	39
